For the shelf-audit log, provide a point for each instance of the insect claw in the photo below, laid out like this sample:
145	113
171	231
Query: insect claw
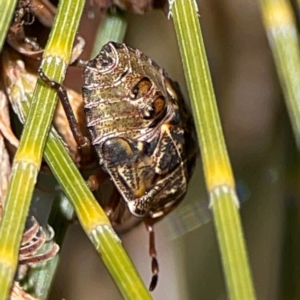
155	270
153	283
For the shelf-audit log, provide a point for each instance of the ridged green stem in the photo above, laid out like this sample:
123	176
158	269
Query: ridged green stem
6	12
28	157
281	28
112	28
217	169
95	222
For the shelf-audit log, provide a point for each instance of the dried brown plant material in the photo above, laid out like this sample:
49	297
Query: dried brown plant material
134	6
16	38
25	13
5	127
17	293
34	248
19	85
33	240
5	171
5	133
44	10
31	253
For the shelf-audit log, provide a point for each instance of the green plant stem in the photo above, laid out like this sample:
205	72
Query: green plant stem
281	28
6	12
217	169
61	216
39	278
112	28
28	158
95	222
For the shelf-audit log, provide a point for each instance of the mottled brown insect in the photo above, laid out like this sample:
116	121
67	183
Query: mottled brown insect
142	133
139	129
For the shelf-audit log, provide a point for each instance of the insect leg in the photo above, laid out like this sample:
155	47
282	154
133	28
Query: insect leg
152	251
95	180
113	203
82	141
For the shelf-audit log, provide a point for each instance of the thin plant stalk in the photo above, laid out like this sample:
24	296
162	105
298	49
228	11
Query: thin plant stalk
281	28
112	28
6	12
94	221
283	36
28	157
217	169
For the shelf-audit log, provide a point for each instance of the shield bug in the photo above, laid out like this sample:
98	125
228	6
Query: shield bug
142	133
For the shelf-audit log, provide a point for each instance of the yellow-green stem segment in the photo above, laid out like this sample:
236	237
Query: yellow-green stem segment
281	28
6	13
112	29
216	163
29	155
95	222
217	169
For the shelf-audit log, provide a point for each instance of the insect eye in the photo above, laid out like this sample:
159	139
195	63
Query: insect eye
158	107
141	88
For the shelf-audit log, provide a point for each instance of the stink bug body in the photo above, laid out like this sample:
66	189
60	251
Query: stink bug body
141	131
